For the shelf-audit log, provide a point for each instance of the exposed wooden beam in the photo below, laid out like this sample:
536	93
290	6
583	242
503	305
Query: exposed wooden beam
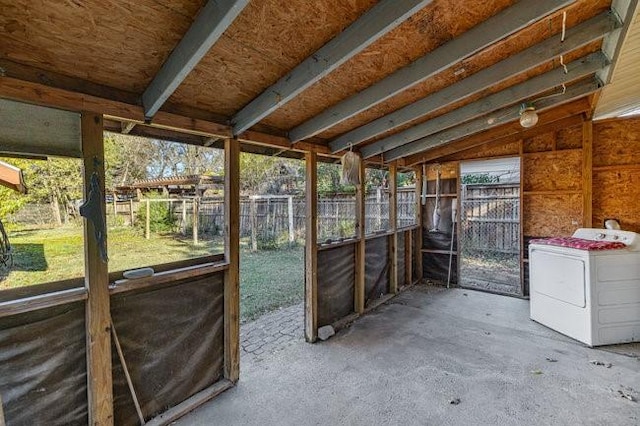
503	24
359	296
98	314
576	37
375	23
40	94
311	249
213	19
554	119
232	256
527	90
493	120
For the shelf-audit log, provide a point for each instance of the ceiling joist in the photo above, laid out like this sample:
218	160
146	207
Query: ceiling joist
378	21
522	92
495	119
213	20
576	37
501	25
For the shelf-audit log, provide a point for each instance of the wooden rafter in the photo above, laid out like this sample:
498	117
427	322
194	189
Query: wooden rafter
505	23
562	117
378	21
576	37
497	118
214	18
525	91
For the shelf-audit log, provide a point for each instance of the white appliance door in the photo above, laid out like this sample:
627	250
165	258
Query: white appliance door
559	276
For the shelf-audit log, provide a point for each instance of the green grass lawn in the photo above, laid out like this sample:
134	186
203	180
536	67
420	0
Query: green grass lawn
269	279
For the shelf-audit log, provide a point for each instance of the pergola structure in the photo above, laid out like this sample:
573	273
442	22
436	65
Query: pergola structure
404	83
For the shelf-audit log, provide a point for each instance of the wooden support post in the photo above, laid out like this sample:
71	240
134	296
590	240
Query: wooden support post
393	219
232	256
184	217
253	211
311	249
194	219
98	316
359	288
418	232
132	218
147	225
408	257
292	236
587	174
2	423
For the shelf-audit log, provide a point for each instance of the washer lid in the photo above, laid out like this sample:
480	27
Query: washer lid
630	239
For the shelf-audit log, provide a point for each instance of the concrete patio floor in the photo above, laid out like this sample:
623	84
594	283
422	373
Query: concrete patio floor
406	362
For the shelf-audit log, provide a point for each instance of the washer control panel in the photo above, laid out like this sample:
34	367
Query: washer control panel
630	239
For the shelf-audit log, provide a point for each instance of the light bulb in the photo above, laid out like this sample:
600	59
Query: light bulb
528	117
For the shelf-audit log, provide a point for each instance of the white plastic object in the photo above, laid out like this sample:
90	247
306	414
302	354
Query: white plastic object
135	274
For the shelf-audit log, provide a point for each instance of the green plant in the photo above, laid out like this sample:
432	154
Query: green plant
160	216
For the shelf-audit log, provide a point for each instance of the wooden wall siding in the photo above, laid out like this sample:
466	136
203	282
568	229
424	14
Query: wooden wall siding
110	43
616	142
553	171
551	215
486	151
616	172
569	138
428	29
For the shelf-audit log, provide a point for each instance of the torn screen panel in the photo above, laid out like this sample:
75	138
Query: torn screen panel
43	370
336	279
172	340
377	268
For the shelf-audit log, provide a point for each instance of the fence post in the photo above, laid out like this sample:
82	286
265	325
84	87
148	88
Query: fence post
115	210
147	226
195	220
254	224
131	216
292	236
184	217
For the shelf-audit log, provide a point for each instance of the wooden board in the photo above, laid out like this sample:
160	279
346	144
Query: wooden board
616	195
110	43
488	150
616	142
540	143
551	215
569	137
551	171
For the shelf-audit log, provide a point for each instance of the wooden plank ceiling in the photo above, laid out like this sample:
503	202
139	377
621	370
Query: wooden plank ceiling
112	50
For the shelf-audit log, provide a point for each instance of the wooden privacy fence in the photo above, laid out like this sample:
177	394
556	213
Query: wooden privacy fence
266	217
490	218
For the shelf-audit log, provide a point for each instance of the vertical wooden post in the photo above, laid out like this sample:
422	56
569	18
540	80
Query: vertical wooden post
147	224
184	217
292	236
587	174
253	211
115	210
359	288
98	316
311	249
408	257
232	256
393	219
2	423
418	233
195	219
132	219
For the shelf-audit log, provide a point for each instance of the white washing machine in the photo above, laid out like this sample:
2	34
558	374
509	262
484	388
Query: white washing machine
590	295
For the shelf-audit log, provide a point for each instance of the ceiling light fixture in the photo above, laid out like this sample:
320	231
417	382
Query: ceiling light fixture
528	115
